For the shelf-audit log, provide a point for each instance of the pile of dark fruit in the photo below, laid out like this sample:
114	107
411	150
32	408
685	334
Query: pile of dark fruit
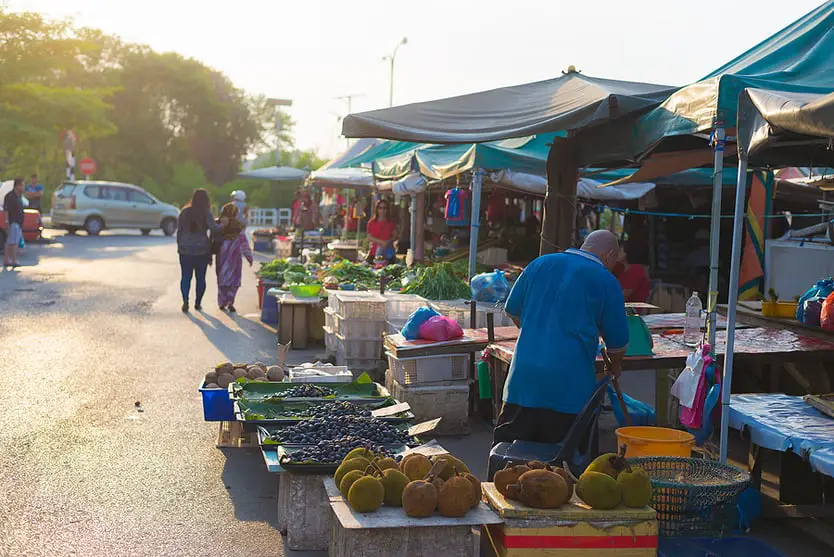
307	391
332	451
326	409
372	430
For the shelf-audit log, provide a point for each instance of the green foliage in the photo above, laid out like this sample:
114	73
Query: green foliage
438	282
160	120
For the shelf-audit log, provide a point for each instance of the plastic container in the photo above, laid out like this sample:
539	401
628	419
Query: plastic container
367	329
398	307
269	311
358	305
655	441
330	319
217	406
306	290
692	323
449	401
359	348
459	311
320	374
428	369
331	344
784	310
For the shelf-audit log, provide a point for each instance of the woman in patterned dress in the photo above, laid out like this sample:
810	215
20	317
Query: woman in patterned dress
232	248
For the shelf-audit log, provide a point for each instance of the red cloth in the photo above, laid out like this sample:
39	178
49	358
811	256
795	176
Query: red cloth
635	279
495	209
382	229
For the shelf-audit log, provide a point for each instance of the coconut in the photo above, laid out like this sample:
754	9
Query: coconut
254	372
241	365
224	367
224	380
211	386
261	365
211	377
275	373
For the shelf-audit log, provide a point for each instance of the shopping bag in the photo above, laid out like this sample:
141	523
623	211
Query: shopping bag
490	287
411	329
827	313
440	328
821	289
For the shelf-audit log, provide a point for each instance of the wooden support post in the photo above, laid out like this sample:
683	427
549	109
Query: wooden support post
559	220
418	249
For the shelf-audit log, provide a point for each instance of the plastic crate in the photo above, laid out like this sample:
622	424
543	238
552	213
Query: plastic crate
399	307
359	305
217	406
356	365
457	311
449	401
359	328
333	301
361	348
320	374
428	369
500	318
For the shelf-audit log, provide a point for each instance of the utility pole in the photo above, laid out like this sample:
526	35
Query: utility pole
349	100
391	59
277	104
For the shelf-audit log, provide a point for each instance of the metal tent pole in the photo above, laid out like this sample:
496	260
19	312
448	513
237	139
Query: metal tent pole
477	183
735	264
413	234
717	140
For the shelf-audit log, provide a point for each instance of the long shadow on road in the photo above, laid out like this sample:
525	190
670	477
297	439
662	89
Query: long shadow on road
107	246
245	343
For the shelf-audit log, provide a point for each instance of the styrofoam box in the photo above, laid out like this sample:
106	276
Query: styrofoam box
320	374
459	311
359	347
358	305
399	307
356	365
449	401
428	369
359	328
330	319
331	343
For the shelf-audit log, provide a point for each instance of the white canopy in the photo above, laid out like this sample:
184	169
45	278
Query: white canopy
276	174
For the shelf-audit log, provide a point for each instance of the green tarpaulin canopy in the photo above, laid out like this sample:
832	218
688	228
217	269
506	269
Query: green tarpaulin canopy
799	58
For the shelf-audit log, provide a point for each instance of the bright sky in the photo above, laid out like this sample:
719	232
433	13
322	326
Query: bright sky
313	51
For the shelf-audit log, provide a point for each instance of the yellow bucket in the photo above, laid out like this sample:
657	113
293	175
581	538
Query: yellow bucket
655	441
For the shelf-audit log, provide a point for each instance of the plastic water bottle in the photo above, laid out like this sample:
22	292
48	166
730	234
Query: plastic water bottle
692	324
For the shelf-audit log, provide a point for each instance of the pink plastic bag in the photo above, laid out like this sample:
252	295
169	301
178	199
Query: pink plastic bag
694	417
440	328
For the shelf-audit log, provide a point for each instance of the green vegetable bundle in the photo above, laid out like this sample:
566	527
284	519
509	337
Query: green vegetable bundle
438	282
348	272
273	271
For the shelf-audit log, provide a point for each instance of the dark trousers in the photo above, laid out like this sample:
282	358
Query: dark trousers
540	425
193	265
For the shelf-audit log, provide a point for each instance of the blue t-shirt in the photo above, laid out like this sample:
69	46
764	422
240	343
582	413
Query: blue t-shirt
36	202
565	302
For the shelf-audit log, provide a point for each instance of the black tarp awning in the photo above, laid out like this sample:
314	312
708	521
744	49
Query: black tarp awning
570	101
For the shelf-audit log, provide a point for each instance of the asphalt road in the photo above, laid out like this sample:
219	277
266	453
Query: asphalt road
88	328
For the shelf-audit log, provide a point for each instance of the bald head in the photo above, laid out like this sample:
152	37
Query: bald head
603	244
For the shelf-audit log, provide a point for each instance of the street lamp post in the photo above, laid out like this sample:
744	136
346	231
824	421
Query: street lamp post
391	59
277	104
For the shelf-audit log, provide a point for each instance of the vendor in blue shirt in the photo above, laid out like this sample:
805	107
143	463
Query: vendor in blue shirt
33	192
563	303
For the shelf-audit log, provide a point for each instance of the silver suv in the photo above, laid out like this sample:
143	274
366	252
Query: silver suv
94	206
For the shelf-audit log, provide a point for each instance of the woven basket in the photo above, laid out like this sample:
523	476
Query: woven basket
694	497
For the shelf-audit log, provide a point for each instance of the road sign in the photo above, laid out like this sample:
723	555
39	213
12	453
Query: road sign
87	167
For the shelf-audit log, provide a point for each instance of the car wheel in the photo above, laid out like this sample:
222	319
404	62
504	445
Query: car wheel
146	232
169	226
93	226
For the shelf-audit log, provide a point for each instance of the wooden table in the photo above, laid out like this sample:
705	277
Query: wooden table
756	346
294	317
473	340
751	313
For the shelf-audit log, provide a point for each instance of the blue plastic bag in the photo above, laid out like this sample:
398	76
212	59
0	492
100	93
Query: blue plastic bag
411	329
490	287
639	412
820	290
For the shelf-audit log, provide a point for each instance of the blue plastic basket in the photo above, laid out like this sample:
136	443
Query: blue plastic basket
708	547
217	406
269	311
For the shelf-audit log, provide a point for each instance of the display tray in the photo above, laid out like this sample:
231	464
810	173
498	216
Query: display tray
284	451
257	391
265	442
265	409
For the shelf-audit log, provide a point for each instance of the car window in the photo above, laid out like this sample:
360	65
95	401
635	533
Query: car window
65	190
135	196
114	193
92	191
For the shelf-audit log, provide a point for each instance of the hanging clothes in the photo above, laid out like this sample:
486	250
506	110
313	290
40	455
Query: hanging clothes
457	207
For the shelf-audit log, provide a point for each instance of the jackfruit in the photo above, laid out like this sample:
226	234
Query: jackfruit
636	487
506	480
347	481
476	488
542	489
385	463
415	466
419	499
359	451
455	464
349	465
366	494
394	482
604	464
599	490
568	481
454	497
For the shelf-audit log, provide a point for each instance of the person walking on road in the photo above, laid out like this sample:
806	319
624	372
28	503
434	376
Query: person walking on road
233	247
34	193
194	245
13	205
